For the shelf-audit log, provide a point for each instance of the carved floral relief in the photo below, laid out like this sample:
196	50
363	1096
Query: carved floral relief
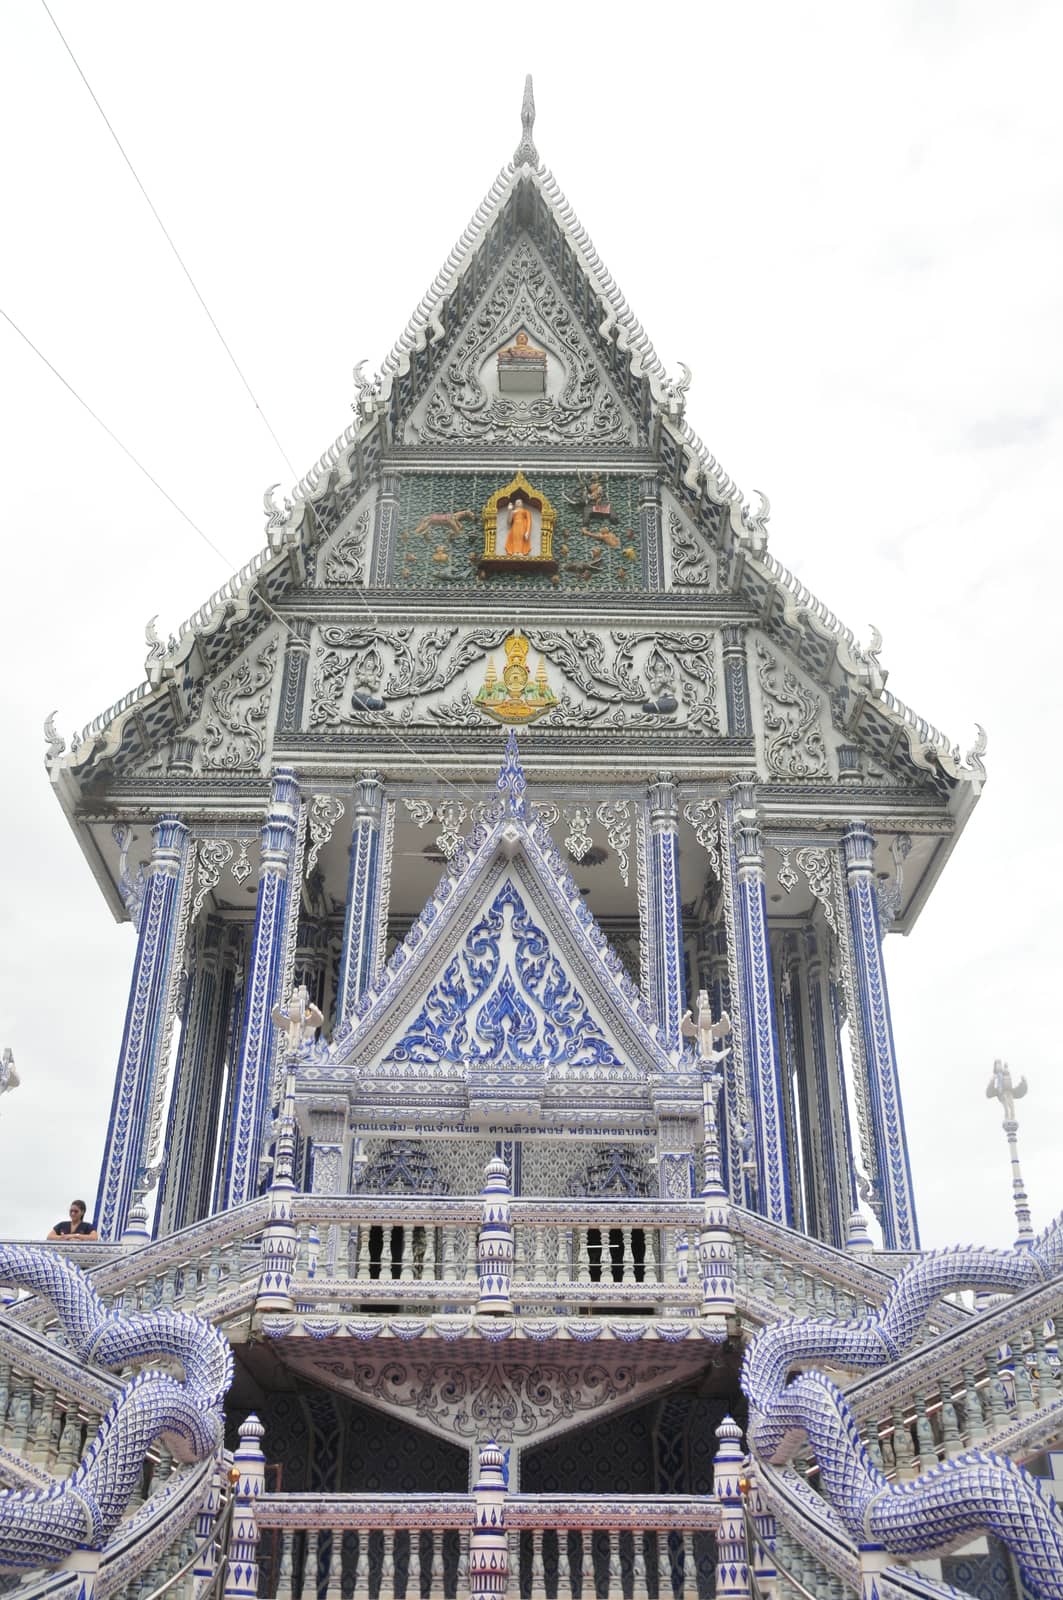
236	723
478	398
621	678
792	718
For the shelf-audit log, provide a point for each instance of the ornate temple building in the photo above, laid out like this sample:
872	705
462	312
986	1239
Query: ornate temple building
511	846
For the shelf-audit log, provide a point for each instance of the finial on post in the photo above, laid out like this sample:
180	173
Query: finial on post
526	154
1001	1087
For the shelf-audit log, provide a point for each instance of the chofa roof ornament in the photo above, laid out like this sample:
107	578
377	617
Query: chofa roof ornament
526	154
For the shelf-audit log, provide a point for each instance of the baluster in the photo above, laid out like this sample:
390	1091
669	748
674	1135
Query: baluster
588	1586
355	1249
461	1575
428	1271
538	1571
690	1566
535	1264
973	1415
583	1263
513	1560
924	1435
951	1443
5	1394
41	1436
406	1253
994	1398
874	1447
361	1566
310	1573
615	1579
285	1566
387	1566
639	1590
449	1273
565	1588
665	1588
756	1268
18	1414
333	1564
627	1257
69	1442
413	1571
1024	1401
1048	1386
429	1567
903	1452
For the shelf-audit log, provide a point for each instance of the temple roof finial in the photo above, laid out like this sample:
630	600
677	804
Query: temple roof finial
526	153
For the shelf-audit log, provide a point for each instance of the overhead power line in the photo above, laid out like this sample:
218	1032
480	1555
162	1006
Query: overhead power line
169	238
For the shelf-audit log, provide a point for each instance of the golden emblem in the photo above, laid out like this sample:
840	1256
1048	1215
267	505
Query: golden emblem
517	697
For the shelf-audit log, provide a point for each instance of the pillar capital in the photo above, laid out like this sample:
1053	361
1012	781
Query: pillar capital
664	802
169	837
369	797
858	848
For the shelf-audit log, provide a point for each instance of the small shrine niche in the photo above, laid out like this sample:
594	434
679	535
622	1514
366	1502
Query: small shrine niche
521	368
518	530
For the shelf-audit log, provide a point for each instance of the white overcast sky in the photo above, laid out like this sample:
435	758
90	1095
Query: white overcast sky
847	219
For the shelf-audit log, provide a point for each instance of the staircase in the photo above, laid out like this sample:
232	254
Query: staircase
391	1272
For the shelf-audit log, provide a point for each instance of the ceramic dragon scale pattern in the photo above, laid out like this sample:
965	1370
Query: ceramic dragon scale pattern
959	1497
38	1529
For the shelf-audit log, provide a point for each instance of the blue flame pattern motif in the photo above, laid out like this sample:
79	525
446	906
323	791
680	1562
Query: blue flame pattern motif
484	1009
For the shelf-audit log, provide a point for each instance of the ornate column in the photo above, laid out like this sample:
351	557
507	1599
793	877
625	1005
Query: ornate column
494	1246
753	953
896	1200
249	1472
732	1565
832	1131
716	1255
488	1545
796	1109
358	955
665	920
264	977
139	1060
189	1096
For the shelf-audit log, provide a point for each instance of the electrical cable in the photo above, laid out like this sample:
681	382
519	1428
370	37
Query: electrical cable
207	540
478	787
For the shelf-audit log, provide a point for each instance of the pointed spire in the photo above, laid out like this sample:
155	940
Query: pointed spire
526	154
511	780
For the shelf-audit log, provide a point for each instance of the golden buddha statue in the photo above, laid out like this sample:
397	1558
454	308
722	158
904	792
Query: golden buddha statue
519	529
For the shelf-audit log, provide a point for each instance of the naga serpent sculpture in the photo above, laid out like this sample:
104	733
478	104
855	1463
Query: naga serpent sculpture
956	1499
38	1529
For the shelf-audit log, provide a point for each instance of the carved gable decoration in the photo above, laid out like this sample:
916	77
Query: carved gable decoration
505	997
506	981
522	371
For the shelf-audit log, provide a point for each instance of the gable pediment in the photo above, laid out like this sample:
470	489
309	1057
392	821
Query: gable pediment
507	998
521	369
506	994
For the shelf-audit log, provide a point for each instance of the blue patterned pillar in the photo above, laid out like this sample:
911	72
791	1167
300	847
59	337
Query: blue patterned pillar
665	911
262	992
139	1058
900	1230
834	1136
358	956
773	1197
